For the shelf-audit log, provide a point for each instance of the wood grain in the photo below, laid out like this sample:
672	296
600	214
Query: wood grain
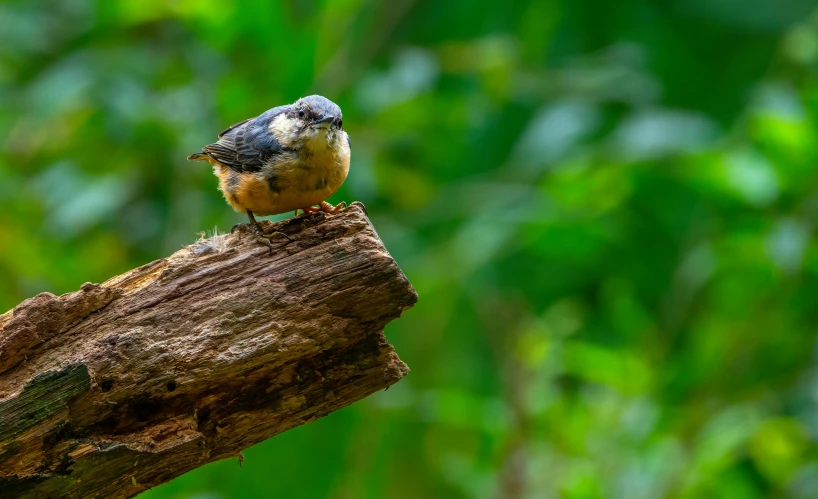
119	387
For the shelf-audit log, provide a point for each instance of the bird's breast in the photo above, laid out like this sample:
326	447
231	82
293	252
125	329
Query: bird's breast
295	180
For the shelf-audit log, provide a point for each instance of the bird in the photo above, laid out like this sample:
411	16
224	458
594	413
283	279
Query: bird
289	158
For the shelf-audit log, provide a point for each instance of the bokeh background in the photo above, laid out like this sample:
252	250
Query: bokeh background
607	208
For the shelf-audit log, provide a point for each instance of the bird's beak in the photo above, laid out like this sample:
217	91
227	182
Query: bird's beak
324	122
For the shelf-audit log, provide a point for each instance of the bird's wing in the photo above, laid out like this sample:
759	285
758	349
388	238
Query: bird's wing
247	145
231	127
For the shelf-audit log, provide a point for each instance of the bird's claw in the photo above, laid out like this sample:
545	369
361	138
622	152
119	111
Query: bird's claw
270	235
358	203
266	242
309	209
324	207
331	210
264	237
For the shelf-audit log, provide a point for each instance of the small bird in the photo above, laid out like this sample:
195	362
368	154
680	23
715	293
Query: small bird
288	158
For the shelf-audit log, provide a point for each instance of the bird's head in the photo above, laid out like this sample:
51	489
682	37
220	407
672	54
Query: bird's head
314	122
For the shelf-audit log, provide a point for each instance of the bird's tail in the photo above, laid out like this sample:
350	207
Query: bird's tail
198	156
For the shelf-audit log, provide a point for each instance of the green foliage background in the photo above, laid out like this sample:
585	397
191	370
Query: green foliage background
607	208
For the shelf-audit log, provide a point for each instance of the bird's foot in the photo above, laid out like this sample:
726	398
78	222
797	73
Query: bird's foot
308	209
323	207
358	203
331	210
261	236
265	237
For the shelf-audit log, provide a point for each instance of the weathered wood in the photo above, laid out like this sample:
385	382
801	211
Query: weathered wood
116	388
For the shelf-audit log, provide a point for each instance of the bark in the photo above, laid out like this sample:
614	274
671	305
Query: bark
119	387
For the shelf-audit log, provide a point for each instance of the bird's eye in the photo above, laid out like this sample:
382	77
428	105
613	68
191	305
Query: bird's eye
301	113
340	123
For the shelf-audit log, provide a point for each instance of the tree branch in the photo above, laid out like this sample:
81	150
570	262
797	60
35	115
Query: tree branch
120	387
